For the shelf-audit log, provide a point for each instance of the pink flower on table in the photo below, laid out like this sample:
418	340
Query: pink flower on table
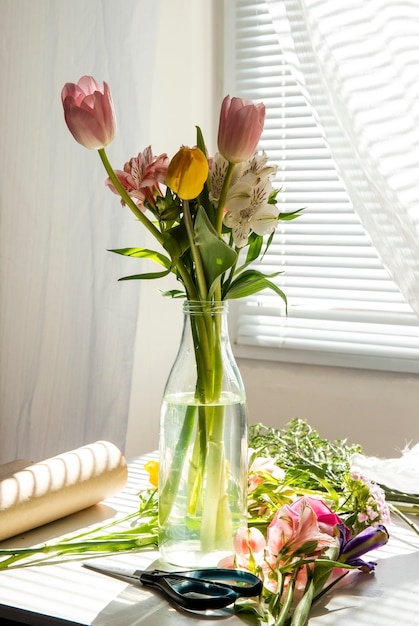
142	176
249	540
296	527
241	125
261	466
89	112
326	518
249	545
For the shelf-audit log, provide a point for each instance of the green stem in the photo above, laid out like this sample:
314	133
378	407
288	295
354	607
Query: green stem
220	215
170	487
285	609
396	511
196	256
223	196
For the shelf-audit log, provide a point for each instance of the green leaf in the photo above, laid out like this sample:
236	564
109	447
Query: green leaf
200	140
217	256
144	253
146	276
286	217
176	242
250	282
255	246
173	293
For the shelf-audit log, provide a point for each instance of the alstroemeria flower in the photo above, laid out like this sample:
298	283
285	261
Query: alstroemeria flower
218	170
141	177
240	128
187	173
260	466
295	526
89	112
352	548
326	518
248	209
249	541
258	165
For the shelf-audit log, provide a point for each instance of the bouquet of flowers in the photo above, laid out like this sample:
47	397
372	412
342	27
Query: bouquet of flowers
211	207
210	217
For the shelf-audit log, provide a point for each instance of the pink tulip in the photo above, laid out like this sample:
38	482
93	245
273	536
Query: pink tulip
240	128
89	112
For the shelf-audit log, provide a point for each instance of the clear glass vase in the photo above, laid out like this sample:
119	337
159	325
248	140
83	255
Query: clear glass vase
203	444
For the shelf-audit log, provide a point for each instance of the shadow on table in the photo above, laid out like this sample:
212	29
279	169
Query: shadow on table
386	597
68	525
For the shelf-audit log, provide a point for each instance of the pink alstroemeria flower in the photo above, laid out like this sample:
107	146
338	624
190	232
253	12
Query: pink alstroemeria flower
89	112
294	526
326	519
261	466
249	541
241	125
141	177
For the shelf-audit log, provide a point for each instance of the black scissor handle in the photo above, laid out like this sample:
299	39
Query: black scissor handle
243	583
190	592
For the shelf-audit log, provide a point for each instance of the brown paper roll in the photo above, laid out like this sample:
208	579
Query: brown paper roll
46	491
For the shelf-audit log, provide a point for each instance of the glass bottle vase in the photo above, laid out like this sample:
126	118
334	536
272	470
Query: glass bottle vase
203	444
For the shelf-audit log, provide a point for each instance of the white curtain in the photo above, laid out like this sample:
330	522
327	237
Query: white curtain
67	327
358	65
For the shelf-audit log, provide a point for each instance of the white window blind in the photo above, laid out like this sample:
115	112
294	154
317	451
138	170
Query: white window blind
343	307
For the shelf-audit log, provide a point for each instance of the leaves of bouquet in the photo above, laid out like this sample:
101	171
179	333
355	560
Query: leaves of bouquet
176	242
249	282
217	256
255	243
144	253
292	215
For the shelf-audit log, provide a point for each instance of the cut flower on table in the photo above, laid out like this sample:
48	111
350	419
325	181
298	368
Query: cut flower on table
306	528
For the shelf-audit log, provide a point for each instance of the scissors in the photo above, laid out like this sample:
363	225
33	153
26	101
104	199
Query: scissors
196	590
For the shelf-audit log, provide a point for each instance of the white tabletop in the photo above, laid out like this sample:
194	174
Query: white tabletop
70	594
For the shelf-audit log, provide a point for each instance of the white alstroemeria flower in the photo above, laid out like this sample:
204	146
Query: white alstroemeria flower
265	220
218	170
248	209
257	164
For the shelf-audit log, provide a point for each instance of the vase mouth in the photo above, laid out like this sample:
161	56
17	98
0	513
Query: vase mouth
199	307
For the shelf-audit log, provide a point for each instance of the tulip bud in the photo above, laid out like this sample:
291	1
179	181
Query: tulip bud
89	112
240	128
187	173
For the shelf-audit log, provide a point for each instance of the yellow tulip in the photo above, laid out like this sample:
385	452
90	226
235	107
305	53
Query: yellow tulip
187	173
152	467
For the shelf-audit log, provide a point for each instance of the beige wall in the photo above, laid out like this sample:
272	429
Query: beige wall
379	410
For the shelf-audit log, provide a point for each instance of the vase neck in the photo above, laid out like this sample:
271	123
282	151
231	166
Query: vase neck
197	307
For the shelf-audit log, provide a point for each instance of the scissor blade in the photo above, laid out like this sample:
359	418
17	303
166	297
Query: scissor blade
123	573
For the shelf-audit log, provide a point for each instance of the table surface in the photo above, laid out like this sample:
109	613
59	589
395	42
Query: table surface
68	594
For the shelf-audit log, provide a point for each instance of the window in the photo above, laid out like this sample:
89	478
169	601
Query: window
343	307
